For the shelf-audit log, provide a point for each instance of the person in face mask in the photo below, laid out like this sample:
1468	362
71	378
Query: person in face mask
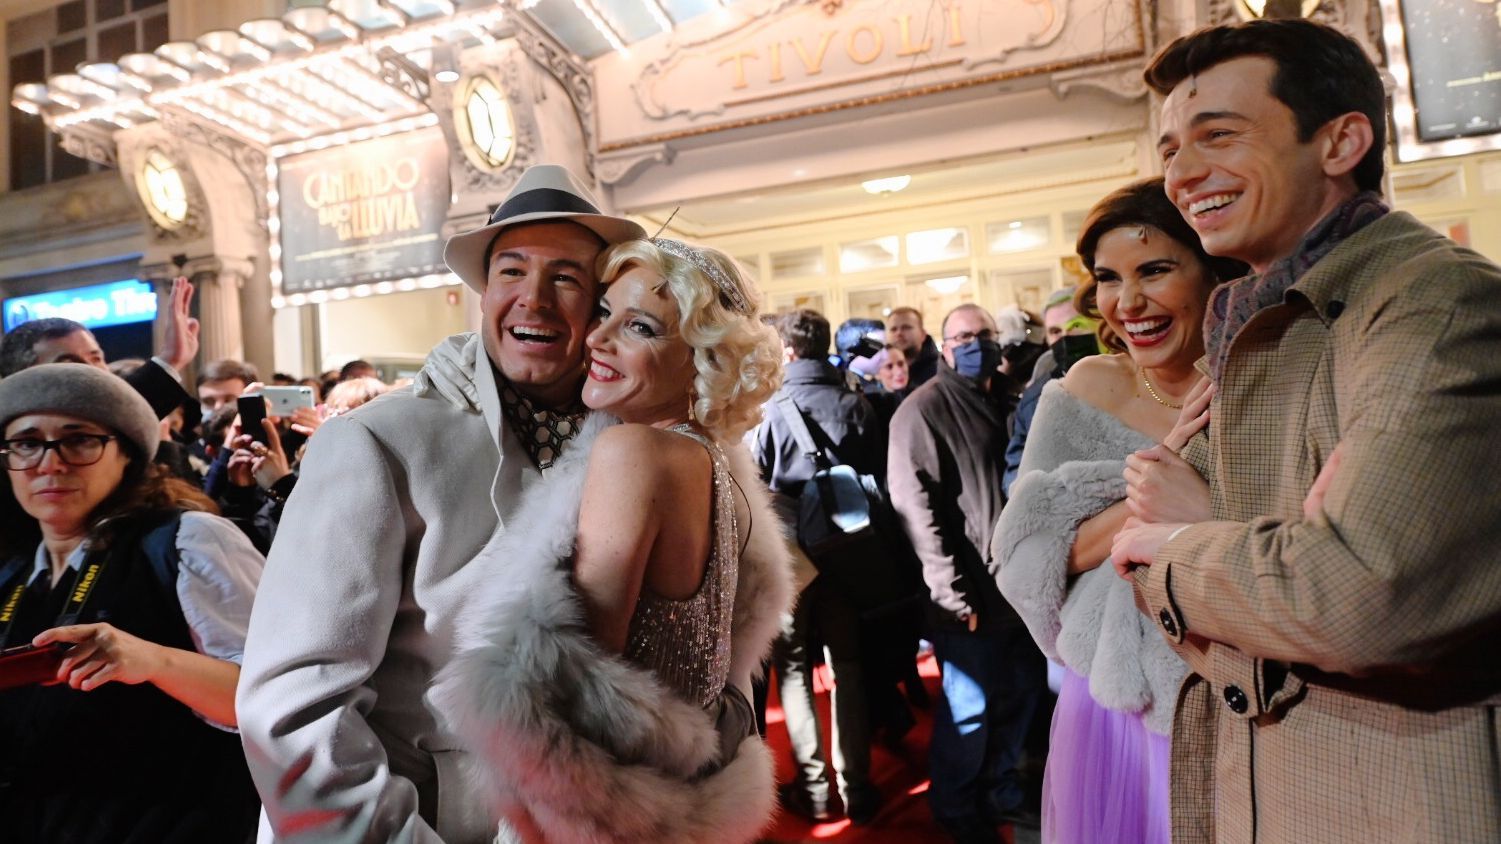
944	470
1071	338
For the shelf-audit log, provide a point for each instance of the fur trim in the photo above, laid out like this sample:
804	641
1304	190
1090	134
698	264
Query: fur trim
574	744
1072	470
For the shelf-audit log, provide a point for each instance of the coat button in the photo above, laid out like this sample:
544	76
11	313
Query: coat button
1236	700
1335	308
1167	622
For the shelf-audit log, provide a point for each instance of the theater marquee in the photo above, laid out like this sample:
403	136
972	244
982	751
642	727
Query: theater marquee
774	60
363	213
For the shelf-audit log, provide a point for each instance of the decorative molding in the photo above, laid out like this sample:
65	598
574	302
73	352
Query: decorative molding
402	73
248	159
612	168
878	99
92	144
782	60
570	71
676	50
1122	81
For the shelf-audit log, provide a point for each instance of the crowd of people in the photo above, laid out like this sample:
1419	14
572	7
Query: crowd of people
1233	487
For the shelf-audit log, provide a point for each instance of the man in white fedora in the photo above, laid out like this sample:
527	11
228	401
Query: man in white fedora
356	609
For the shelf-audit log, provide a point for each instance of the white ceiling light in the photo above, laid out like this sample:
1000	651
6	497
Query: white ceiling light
948	285
883	186
445	69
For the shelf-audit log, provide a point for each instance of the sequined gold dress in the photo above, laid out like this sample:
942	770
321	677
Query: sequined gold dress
686	643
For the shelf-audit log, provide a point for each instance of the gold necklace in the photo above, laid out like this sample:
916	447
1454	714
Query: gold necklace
1159	399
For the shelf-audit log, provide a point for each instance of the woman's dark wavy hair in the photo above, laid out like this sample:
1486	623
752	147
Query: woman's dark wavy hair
146	493
1142	203
1321	74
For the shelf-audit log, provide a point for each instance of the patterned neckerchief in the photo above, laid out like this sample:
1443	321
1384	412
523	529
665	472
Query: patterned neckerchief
1232	304
542	432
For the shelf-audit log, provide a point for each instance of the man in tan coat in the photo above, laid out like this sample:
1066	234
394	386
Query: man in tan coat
1339	596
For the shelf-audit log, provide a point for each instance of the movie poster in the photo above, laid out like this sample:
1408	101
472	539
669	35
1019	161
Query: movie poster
364	212
1454	51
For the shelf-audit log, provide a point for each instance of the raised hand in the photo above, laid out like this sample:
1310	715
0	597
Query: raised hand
180	331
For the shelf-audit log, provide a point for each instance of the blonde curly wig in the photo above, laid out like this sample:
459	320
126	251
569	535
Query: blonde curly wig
737	358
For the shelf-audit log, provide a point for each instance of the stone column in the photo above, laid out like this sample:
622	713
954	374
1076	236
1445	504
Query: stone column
219	281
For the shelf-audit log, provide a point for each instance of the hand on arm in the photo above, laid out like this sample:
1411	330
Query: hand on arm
103	654
1137	544
1162	487
1193	417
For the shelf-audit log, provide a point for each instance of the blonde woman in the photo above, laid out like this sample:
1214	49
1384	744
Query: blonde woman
604	678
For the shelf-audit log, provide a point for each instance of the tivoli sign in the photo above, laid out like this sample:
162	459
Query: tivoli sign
779	59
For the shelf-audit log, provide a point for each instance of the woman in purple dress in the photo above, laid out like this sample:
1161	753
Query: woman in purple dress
1107	771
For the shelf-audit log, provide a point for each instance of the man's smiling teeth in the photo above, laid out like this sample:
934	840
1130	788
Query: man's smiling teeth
1209	203
526	332
1146	326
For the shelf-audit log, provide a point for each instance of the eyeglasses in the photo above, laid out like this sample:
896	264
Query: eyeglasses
964	338
74	450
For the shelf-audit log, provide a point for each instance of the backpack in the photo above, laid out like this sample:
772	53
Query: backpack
847	527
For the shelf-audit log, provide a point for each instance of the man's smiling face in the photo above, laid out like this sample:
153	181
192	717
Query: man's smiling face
1235	168
538	301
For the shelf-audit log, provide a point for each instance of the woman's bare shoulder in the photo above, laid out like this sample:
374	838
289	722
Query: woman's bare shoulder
640	455
1103	381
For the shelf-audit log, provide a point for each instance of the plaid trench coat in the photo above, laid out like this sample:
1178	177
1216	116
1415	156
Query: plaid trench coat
1348	689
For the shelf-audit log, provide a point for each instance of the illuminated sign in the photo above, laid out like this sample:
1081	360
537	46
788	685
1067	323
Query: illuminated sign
98	306
365	212
1445	56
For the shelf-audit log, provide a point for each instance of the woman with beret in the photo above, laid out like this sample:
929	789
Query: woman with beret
143	596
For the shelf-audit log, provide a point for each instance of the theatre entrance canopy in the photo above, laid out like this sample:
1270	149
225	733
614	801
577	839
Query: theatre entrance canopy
205	131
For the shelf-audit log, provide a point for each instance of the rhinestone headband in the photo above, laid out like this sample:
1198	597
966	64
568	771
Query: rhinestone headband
729	292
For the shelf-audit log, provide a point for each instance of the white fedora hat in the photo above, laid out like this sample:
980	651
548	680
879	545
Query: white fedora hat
544	192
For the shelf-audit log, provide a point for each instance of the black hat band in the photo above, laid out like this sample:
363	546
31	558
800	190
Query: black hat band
550	200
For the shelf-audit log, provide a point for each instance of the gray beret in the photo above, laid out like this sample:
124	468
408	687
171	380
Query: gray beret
77	389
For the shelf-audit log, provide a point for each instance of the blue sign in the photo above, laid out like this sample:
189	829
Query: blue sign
98	306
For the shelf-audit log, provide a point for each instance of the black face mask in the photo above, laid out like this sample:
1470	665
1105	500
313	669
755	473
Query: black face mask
1070	349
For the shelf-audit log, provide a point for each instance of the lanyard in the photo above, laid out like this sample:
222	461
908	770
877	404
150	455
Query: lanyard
78	595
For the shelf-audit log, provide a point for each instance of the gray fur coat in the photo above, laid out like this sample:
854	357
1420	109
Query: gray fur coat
575	745
1071	470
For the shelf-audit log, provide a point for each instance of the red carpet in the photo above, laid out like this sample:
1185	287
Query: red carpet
901	774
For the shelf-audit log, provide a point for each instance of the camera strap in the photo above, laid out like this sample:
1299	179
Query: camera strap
78	595
12	601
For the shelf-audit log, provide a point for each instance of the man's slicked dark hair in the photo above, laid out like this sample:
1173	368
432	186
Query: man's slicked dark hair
1321	74
806	333
18	350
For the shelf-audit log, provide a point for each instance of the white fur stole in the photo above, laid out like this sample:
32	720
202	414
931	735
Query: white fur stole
1072	470
576	745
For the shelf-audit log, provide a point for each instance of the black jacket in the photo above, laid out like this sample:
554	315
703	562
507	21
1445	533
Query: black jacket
920	370
947	456
853	434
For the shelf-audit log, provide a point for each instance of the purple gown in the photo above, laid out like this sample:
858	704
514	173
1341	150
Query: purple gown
1107	774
